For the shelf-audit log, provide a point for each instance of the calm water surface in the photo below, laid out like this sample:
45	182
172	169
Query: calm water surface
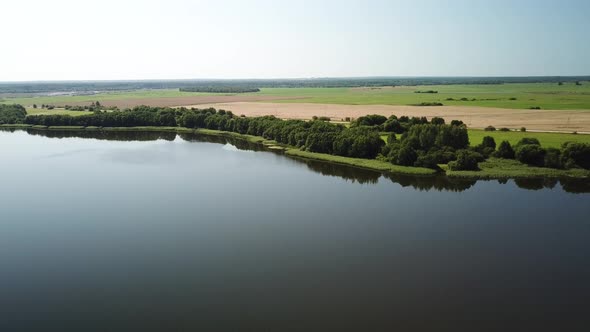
151	231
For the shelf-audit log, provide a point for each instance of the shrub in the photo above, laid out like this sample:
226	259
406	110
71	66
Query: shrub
370	120
427	160
531	154
466	161
437	121
575	154
393	125
11	114
504	129
406	156
391	138
490	128
431	103
504	151
523	129
489	142
457	123
535	107
528	140
552	158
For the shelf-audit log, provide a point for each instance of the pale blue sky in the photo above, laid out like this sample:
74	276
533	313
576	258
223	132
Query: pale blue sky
133	39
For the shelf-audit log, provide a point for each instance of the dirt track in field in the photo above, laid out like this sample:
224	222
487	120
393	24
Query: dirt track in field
181	101
474	117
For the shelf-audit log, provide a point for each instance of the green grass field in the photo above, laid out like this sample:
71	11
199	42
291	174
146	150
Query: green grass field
514	96
548	140
544	95
28	100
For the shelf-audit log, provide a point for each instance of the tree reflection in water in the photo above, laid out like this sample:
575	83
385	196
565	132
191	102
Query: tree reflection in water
349	173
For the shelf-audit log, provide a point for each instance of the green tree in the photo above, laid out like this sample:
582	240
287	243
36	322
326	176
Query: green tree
531	154
489	142
466	161
437	121
505	151
552	158
575	155
406	156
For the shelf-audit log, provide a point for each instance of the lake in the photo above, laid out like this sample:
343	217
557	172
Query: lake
156	231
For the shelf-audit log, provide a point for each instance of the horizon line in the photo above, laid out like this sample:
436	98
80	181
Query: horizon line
289	78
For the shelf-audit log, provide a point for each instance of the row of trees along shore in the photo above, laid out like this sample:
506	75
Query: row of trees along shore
414	141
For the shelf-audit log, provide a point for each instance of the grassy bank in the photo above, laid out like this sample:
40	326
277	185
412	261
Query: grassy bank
373	164
492	168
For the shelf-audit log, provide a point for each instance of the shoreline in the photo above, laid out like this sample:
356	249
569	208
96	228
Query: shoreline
493	169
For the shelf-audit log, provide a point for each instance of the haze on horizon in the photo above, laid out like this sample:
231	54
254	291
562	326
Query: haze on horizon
182	39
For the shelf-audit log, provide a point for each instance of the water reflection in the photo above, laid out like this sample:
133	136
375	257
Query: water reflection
352	174
175	235
105	135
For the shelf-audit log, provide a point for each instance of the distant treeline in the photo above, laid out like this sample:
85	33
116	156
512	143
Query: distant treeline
12	114
220	89
412	141
90	86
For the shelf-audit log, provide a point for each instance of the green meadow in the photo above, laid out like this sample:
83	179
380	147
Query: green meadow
548	140
514	96
28	99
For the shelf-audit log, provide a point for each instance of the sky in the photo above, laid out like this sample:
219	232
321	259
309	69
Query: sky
182	39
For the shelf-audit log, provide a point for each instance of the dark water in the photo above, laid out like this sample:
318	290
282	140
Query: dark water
150	231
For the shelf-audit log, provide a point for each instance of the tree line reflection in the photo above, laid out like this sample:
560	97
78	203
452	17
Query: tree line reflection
352	174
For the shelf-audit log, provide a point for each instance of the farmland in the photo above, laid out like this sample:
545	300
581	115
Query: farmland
55	111
510	96
568	96
536	106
